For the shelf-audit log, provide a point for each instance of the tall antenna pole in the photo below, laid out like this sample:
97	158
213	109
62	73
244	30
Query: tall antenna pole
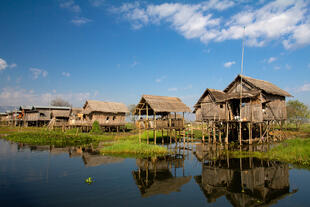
241	71
240	122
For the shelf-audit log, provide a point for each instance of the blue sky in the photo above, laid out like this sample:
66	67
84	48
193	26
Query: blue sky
119	50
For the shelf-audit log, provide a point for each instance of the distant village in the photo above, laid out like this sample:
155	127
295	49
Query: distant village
247	108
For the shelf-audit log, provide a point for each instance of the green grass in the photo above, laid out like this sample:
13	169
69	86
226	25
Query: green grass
134	148
294	151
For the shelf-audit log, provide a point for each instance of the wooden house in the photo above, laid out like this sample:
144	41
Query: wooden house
163	110
108	114
247	102
3	118
266	103
76	116
42	115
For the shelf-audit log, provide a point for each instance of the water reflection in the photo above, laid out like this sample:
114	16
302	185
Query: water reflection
244	182
158	175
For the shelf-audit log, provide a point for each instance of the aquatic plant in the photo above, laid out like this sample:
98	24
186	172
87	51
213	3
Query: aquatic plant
132	147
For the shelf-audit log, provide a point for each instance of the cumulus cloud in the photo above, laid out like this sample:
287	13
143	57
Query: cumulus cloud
285	21
158	80
96	3
66	74
172	89
80	21
271	59
17	96
229	64
304	88
70	5
36	73
3	64
13	65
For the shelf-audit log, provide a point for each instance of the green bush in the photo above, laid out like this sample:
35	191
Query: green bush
96	128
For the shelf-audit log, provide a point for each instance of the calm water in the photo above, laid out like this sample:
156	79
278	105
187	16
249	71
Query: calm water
47	176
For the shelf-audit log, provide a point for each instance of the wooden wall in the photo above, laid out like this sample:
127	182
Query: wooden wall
107	118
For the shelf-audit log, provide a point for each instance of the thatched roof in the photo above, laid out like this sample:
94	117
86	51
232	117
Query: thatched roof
60	113
107	107
161	104
51	107
260	85
76	110
216	95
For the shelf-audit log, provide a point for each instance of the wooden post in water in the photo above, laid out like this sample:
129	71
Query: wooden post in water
139	126
208	131
240	132
147	123
214	133
227	132
202	131
250	132
155	126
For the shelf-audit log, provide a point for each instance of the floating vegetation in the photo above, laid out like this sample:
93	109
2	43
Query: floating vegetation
89	180
132	147
294	151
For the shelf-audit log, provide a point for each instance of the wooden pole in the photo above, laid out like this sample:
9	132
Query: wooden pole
139	126
202	131
250	132
209	133
227	132
147	123
240	132
214	133
155	127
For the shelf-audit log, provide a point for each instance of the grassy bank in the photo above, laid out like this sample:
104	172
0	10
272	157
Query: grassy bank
133	148
294	151
41	136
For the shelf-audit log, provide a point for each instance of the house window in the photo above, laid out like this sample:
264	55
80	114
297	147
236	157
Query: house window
108	117
114	117
42	115
221	106
264	105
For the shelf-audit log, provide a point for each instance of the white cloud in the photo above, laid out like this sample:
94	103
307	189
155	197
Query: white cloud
277	67
3	64
304	88
66	74
36	73
18	96
80	21
134	64
279	20
172	89
271	59
229	64
158	80
71	5
96	3
13	65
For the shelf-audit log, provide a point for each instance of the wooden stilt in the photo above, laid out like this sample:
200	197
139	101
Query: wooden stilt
209	133
250	132
202	131
155	127
139	126
214	133
220	136
240	133
227	132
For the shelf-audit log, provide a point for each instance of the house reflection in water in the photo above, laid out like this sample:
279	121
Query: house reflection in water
244	182
158	176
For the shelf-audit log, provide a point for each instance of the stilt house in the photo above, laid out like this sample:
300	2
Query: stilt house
163	110
245	100
108	114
